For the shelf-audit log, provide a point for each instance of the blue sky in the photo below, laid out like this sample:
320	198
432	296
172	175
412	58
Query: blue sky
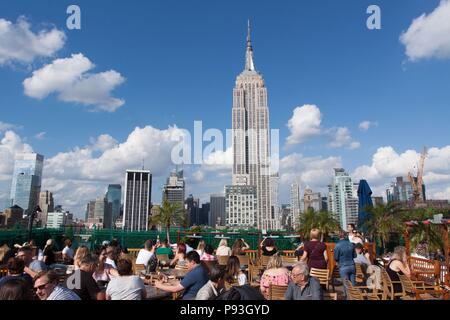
180	60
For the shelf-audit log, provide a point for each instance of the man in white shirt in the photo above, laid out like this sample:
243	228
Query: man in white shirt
67	252
145	254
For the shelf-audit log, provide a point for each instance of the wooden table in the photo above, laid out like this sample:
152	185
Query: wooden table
157	294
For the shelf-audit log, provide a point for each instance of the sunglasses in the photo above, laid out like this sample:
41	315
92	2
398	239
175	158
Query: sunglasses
41	287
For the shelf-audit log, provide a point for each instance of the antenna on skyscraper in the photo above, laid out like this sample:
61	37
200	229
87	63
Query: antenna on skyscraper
143	164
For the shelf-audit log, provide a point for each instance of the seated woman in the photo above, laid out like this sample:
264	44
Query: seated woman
208	254
81	252
315	251
239	247
268	247
233	272
275	274
104	272
398	266
223	249
180	256
201	247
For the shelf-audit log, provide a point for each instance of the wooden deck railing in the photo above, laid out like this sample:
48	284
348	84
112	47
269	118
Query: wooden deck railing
424	269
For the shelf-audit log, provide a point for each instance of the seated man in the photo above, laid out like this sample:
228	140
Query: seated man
47	288
194	280
214	287
32	267
146	254
302	286
165	249
88	288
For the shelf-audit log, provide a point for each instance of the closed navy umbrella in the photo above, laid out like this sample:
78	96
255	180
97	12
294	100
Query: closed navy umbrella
365	201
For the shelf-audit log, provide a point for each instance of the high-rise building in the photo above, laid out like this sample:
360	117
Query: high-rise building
286	217
90	210
192	206
137	200
174	189
205	214
295	204
217	207
100	212
27	192
12	216
343	198
325	203
114	197
275	209
402	191
56	220
47	205
251	163
241	206
377	201
26	166
312	200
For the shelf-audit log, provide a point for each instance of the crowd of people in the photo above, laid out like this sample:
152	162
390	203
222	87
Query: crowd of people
108	273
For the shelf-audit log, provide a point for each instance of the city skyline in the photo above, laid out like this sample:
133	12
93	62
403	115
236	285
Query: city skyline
342	94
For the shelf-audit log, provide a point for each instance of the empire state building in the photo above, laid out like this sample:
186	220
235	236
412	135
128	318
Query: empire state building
251	165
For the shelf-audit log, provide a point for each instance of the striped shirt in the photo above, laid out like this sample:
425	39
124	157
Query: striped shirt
61	293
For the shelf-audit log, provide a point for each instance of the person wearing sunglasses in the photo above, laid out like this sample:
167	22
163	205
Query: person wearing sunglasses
47	287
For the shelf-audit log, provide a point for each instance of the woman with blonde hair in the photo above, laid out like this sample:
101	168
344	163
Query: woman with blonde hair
398	266
315	251
82	252
275	274
223	249
201	247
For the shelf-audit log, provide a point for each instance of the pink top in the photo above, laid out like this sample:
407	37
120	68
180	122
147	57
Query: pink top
278	280
208	257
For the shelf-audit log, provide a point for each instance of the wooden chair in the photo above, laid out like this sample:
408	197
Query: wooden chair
138	268
323	275
355	293
277	292
360	278
289	260
388	287
210	264
163	260
223	260
327	296
254	275
264	261
244	260
418	290
425	270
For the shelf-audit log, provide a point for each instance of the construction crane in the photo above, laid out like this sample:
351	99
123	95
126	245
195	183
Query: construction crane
417	182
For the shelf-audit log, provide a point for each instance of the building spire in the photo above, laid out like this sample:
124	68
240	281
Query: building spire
249	65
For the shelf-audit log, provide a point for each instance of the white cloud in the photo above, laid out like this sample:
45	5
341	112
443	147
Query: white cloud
366	125
315	172
40	135
428	35
341	137
10	144
19	44
103	142
388	164
6	126
443	194
304	124
69	79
